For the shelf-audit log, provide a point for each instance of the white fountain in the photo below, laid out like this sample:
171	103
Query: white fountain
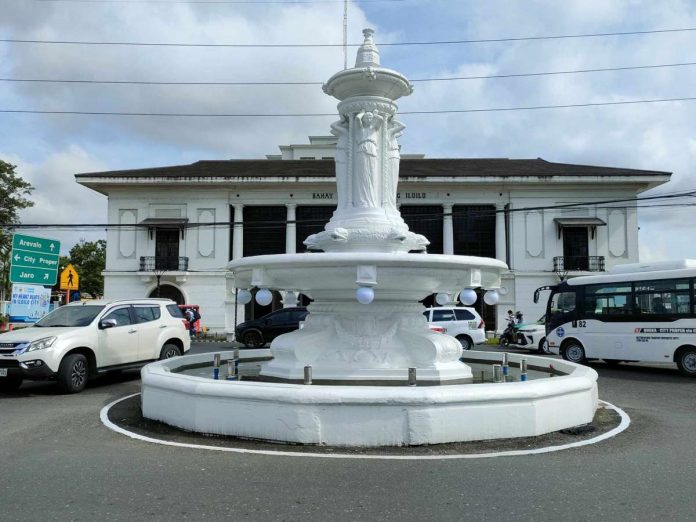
365	331
366	258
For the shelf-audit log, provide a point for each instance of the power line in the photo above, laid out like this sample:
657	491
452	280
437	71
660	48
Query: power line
257	83
422	216
298	115
385	44
135	82
552	73
207	2
566	106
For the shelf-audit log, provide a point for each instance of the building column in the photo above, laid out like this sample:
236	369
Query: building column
500	239
291	230
238	236
447	230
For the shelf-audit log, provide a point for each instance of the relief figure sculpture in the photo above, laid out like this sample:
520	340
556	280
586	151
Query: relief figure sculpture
365	172
340	130
391	179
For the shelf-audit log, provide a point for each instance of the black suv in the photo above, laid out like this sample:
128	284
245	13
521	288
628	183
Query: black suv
257	332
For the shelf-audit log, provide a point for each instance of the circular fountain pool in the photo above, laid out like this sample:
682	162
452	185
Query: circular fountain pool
181	392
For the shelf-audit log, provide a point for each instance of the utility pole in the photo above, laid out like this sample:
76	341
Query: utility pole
345	34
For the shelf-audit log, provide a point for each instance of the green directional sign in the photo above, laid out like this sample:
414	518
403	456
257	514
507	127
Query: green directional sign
36	244
34	260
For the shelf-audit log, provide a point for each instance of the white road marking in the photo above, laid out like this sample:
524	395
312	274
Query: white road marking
625	423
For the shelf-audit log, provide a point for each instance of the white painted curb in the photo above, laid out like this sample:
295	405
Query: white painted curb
623	425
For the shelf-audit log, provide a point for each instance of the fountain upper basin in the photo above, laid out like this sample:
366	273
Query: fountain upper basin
393	275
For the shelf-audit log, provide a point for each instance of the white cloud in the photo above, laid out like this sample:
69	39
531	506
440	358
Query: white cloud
648	136
58	199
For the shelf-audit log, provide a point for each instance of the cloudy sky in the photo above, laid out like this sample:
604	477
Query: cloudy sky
50	149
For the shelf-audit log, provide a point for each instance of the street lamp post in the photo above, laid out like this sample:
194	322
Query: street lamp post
159	272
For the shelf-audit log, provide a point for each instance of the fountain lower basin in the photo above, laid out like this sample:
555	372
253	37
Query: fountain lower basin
369	416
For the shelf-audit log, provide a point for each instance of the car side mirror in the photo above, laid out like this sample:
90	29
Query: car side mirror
267	322
107	323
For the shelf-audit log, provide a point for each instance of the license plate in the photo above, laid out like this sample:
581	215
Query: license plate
3	372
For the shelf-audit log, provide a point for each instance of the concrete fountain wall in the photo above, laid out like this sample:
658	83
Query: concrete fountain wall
369	415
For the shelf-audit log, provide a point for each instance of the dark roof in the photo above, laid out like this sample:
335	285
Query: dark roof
579	222
409	168
153	222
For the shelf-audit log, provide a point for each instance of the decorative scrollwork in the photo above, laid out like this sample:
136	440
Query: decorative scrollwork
367	104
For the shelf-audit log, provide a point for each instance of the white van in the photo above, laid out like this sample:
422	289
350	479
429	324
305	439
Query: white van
461	322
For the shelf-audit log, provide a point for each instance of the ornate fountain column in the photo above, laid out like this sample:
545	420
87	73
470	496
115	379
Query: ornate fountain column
366	324
367	160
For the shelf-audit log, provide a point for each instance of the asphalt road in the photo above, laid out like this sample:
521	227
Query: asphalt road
58	462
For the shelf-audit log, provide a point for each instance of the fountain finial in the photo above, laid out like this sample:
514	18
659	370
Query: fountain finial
368	55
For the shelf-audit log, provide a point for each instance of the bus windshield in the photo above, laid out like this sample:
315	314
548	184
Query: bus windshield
561	307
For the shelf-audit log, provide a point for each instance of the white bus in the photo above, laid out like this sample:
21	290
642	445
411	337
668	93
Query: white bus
636	312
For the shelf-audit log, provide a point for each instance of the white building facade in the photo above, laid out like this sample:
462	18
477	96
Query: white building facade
173	229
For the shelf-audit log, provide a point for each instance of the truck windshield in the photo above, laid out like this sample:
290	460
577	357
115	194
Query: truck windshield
70	316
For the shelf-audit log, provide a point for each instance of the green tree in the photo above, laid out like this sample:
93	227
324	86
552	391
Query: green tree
89	259
13	192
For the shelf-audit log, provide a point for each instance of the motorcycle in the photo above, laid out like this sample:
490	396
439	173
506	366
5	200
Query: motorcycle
509	335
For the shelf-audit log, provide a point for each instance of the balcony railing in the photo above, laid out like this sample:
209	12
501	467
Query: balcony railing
160	263
578	263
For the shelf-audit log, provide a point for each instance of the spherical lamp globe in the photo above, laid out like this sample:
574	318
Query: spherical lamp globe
365	295
243	297
491	297
264	297
442	298
468	296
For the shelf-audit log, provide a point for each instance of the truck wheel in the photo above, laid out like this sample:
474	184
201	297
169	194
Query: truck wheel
10	383
465	342
686	361
574	352
73	373
169	350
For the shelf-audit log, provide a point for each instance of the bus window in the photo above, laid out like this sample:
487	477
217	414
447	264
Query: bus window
667	296
610	299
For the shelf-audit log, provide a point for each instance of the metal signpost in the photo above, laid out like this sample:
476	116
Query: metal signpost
34	260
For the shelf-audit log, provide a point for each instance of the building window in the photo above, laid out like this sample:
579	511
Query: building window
474	230
425	220
310	220
167	249
264	230
575	248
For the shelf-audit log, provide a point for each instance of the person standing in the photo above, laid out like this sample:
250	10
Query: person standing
191	318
